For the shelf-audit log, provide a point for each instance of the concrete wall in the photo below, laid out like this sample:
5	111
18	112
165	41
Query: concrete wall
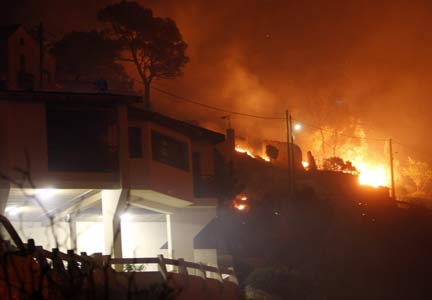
143	239
90	237
207	157
183	226
23	129
4	137
43	234
206	256
27	133
139	239
146	173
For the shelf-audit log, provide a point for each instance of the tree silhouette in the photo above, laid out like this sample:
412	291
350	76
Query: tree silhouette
311	161
154	45
84	57
337	164
272	152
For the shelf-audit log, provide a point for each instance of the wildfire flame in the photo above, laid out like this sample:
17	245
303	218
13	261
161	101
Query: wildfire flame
249	153
375	176
370	174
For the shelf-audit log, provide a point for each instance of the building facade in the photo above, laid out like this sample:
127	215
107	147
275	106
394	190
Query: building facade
100	174
21	62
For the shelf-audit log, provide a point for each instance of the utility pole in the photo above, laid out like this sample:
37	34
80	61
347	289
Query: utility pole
290	154
41	55
288	138
393	193
293	180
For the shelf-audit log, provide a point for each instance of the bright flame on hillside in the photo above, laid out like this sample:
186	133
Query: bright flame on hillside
242	150
373	176
350	143
249	153
369	173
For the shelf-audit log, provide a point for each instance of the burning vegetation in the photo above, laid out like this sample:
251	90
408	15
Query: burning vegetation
369	173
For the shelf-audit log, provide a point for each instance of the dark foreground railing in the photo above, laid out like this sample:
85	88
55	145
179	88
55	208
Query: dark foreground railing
28	271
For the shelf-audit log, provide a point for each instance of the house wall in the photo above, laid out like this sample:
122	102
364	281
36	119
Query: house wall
30	50
27	134
4	136
139	239
23	130
90	237
207	157
146	173
143	239
183	227
43	234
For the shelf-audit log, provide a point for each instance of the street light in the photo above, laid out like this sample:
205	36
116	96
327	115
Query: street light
297	127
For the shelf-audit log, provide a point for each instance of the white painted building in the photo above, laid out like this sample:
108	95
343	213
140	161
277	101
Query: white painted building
110	176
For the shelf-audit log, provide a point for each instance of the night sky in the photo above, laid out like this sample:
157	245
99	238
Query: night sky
369	60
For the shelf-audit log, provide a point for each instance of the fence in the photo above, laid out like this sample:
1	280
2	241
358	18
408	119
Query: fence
29	270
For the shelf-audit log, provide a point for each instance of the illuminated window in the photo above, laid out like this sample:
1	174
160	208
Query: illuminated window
135	143
170	151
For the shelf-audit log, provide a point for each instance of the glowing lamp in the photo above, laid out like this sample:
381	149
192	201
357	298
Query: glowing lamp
12	210
46	193
297	127
126	217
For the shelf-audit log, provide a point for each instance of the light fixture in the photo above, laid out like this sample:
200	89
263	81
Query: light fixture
125	217
297	127
46	193
12	210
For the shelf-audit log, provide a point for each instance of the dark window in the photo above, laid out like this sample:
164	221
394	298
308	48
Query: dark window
81	139
22	64
196	169
135	143
21	41
196	166
170	151
47	76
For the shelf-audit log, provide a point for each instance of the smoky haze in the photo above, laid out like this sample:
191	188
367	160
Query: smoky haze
326	61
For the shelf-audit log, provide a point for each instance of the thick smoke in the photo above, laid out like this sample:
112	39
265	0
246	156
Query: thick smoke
326	61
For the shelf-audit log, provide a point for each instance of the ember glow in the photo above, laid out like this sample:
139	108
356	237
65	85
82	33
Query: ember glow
240	206
240	202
